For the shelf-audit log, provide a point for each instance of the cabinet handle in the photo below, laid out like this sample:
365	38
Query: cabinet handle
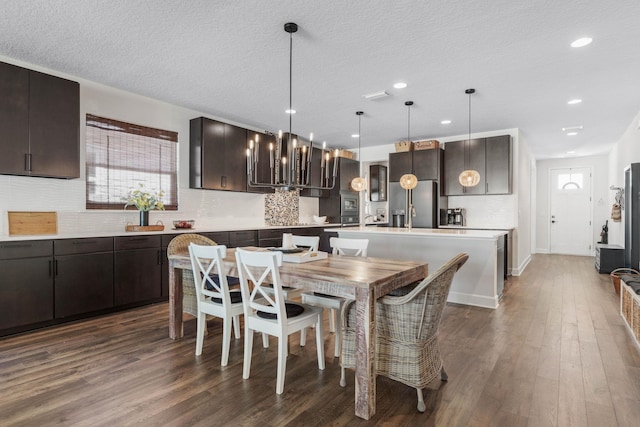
55	268
84	242
223	181
13	246
27	162
158	257
50	267
486	187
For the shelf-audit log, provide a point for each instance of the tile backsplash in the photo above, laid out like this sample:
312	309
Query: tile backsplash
282	207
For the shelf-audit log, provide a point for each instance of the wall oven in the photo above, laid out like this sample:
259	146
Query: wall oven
349	208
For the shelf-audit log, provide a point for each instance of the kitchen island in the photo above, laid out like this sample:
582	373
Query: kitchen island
479	282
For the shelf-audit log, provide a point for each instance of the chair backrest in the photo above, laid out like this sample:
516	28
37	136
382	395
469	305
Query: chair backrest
428	299
180	244
262	269
353	247
311	242
209	274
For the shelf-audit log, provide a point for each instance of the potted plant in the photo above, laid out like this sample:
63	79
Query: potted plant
144	201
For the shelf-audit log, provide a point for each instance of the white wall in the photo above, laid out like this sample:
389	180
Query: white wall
600	195
523	184
67	197
625	152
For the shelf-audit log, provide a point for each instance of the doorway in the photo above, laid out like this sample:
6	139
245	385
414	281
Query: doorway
570	211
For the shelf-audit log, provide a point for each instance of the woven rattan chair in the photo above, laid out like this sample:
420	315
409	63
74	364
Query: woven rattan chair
407	323
180	244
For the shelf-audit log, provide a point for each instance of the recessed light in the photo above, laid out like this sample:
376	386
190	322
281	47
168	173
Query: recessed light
400	85
290	111
446	122
581	42
355	135
572	133
574	101
571	152
376	95
572	128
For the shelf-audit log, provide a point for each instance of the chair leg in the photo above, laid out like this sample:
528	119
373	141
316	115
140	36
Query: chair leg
226	341
320	342
248	348
265	340
303	337
332	320
236	326
337	337
343	377
201	328
421	405
282	364
443	374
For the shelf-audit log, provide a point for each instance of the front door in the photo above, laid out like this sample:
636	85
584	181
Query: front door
570	226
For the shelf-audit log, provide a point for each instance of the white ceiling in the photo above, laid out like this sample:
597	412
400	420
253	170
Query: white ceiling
229	58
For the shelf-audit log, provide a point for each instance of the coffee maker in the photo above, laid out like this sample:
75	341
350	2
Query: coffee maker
451	217
458	217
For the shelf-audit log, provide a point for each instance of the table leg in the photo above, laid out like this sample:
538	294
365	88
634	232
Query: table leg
175	303
365	353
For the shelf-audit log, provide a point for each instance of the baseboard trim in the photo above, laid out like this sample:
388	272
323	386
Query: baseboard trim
470	299
518	271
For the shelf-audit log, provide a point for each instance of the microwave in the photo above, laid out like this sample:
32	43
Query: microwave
349	204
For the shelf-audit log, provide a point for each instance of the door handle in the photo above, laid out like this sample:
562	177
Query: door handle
553	221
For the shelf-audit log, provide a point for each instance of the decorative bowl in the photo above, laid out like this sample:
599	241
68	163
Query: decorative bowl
184	223
320	219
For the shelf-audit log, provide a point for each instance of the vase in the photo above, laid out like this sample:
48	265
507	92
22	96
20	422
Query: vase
144	218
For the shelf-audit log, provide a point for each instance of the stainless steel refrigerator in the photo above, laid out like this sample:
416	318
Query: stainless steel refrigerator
427	203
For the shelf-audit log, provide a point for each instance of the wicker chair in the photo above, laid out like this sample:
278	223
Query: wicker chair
180	244
407	323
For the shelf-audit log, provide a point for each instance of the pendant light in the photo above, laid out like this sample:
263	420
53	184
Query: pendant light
469	177
359	183
409	181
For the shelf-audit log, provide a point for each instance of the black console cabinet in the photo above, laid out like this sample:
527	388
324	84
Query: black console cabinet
609	257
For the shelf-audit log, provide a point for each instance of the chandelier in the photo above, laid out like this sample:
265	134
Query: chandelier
290	165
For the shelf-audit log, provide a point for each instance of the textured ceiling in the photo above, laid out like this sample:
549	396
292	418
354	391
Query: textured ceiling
229	58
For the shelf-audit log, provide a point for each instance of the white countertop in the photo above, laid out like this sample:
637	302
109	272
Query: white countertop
466	227
426	232
167	230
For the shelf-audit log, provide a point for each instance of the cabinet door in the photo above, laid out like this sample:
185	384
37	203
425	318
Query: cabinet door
399	164
349	169
426	164
83	283
26	291
262	172
54	126
476	160
14	116
235	172
213	155
498	169
137	276
454	156
314	175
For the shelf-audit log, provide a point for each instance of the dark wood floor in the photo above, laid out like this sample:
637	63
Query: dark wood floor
554	353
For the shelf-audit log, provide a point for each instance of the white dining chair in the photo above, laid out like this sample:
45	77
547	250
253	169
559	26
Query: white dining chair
269	313
340	246
310	242
213	295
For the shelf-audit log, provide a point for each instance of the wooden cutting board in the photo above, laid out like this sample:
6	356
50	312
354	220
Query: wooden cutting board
29	223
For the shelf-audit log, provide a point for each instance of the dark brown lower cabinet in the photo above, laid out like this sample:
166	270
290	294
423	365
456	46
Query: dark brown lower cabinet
26	283
83	283
137	269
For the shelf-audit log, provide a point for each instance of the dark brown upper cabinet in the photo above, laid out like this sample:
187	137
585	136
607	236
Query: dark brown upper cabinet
39	124
427	164
491	157
217	155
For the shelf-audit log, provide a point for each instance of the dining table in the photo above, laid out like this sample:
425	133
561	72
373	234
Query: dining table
363	279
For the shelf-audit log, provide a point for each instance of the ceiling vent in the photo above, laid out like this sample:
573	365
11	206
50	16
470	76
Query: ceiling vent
376	95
